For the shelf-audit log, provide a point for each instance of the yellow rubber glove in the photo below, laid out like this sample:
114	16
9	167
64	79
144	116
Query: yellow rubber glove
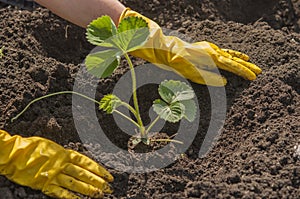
195	61
44	165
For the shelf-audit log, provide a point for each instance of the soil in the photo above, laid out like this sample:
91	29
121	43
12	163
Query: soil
255	155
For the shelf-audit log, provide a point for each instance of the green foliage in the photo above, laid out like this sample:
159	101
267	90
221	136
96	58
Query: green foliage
178	101
173	91
103	63
190	109
100	31
170	112
130	35
109	103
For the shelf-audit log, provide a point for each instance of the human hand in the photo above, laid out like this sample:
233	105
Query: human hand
195	61
44	165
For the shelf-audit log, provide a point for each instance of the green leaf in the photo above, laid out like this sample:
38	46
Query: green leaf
103	63
132	33
190	109
100	31
176	94
172	91
171	113
109	103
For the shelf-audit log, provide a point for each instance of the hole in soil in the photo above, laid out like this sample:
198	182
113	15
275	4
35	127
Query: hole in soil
146	95
143	148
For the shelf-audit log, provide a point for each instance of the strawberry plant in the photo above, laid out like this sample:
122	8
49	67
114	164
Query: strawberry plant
177	98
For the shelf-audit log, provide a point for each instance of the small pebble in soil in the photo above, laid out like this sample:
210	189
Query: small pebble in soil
297	151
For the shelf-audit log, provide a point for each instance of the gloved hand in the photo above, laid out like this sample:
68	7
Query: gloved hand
44	165
195	61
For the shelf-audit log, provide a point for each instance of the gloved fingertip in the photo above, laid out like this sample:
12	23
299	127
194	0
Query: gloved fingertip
216	82
109	177
98	194
108	189
220	81
251	76
257	70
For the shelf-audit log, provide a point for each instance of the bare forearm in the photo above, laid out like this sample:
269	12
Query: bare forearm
82	12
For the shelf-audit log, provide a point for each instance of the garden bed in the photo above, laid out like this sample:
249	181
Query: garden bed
255	155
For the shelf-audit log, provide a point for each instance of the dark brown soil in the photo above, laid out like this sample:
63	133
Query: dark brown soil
255	156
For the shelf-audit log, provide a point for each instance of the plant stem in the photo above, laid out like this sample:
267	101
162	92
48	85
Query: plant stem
135	100
132	110
50	95
81	95
152	124
128	118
